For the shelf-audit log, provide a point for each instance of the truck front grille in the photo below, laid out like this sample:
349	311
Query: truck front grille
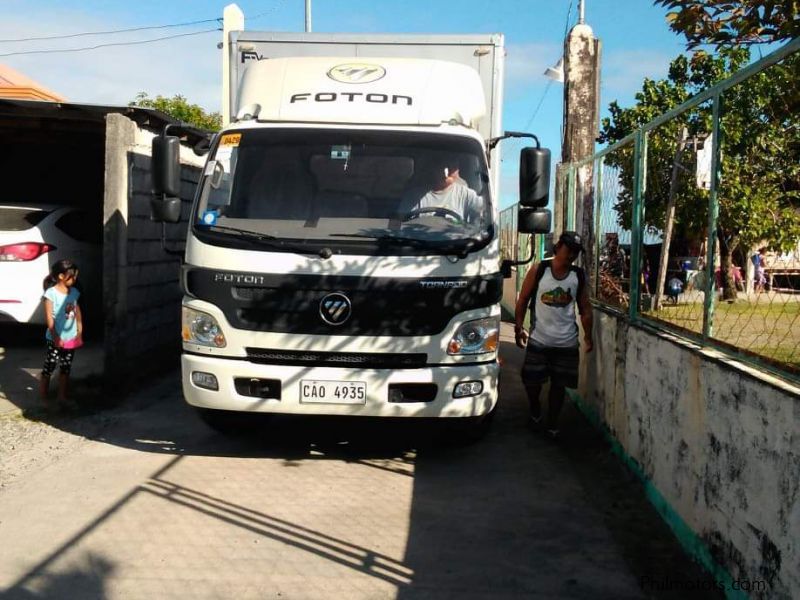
360	360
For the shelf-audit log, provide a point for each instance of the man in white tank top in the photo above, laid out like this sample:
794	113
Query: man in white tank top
553	288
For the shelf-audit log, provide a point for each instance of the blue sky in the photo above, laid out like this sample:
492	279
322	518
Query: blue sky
636	43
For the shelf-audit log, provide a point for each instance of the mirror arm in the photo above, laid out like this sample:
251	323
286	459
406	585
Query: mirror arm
516	263
508	134
170	251
507	264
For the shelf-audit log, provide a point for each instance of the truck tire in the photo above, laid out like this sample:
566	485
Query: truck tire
470	430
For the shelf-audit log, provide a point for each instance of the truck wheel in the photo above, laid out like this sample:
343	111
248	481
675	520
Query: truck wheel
470	430
229	422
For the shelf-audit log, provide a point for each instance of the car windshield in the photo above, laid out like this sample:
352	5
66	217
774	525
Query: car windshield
347	190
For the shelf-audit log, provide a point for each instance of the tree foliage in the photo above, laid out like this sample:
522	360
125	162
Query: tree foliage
728	23
759	190
180	108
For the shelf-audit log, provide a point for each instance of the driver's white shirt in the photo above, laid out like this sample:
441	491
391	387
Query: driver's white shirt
457	197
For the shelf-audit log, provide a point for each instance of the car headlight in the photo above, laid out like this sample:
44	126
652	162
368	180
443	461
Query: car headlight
476	337
201	328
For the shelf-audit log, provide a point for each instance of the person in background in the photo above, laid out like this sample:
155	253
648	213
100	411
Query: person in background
553	288
759	278
64	328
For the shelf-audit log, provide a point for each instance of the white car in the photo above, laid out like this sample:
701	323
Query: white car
32	238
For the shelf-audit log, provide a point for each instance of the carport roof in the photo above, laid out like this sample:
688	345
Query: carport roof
148	118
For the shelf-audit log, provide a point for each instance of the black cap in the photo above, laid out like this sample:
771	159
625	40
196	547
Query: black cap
572	239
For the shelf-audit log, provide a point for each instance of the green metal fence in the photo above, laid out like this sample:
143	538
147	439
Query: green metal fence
696	223
513	247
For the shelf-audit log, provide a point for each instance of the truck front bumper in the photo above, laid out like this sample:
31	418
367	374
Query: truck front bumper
380	398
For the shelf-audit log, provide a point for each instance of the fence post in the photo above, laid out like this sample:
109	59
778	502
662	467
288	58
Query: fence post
713	216
639	160
598	207
523	244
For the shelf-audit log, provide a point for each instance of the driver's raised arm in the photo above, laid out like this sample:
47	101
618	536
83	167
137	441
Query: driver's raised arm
474	207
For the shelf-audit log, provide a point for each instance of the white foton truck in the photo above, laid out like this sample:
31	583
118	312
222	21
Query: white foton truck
343	256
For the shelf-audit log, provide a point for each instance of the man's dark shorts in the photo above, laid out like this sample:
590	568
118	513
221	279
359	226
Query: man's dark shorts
559	365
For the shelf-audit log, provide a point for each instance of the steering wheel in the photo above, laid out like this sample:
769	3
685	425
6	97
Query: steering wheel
437	211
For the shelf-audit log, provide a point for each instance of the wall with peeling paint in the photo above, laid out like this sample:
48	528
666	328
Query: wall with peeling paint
718	443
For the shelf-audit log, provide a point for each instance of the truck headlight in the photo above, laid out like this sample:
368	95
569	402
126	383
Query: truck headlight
201	328
476	337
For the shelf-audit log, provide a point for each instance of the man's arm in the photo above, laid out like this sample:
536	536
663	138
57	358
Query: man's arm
587	321
520	335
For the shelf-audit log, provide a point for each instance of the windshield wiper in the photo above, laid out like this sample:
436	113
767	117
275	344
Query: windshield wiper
462	246
386	238
241	232
264	239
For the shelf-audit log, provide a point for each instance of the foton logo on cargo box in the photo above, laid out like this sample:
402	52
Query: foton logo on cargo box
356	73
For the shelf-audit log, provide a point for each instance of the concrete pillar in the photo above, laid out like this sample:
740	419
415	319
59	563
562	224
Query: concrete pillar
232	20
120	139
581	98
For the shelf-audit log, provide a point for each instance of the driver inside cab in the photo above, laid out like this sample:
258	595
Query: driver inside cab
448	196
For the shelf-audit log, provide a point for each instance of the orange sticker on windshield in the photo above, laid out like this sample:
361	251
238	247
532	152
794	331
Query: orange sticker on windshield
230	139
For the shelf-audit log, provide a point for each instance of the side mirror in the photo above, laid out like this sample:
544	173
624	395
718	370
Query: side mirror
534	220
165	206
167	210
166	165
534	177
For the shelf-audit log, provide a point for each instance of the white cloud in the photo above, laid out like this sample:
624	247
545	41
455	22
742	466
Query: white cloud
525	66
190	65
623	71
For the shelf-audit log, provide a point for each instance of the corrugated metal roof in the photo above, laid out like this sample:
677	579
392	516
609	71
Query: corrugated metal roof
147	118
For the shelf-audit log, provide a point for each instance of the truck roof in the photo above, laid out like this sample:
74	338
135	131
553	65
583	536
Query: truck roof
392	91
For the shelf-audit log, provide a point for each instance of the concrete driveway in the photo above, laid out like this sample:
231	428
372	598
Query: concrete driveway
143	501
22	350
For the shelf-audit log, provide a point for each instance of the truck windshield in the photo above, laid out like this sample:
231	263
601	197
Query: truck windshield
348	190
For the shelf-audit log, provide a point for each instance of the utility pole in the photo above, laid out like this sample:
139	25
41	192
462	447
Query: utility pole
308	16
581	99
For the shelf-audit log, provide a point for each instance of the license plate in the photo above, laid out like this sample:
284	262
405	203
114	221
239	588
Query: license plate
332	392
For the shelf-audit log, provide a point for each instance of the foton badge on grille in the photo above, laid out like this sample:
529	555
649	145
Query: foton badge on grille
335	308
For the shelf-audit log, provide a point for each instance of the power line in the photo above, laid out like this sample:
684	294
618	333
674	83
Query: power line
110	32
129	30
65	50
538	106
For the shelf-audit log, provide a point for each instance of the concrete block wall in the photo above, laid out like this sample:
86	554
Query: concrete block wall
142	294
718	442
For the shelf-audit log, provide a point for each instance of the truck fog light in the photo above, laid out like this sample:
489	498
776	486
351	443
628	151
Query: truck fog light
206	381
468	388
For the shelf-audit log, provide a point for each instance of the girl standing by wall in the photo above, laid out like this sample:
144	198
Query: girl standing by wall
64	327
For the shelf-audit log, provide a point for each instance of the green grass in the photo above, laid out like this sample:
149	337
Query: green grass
768	325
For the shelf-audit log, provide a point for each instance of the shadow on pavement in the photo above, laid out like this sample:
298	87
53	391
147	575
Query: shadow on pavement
514	515
22	351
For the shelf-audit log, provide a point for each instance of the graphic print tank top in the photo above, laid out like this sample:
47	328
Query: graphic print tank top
553	309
